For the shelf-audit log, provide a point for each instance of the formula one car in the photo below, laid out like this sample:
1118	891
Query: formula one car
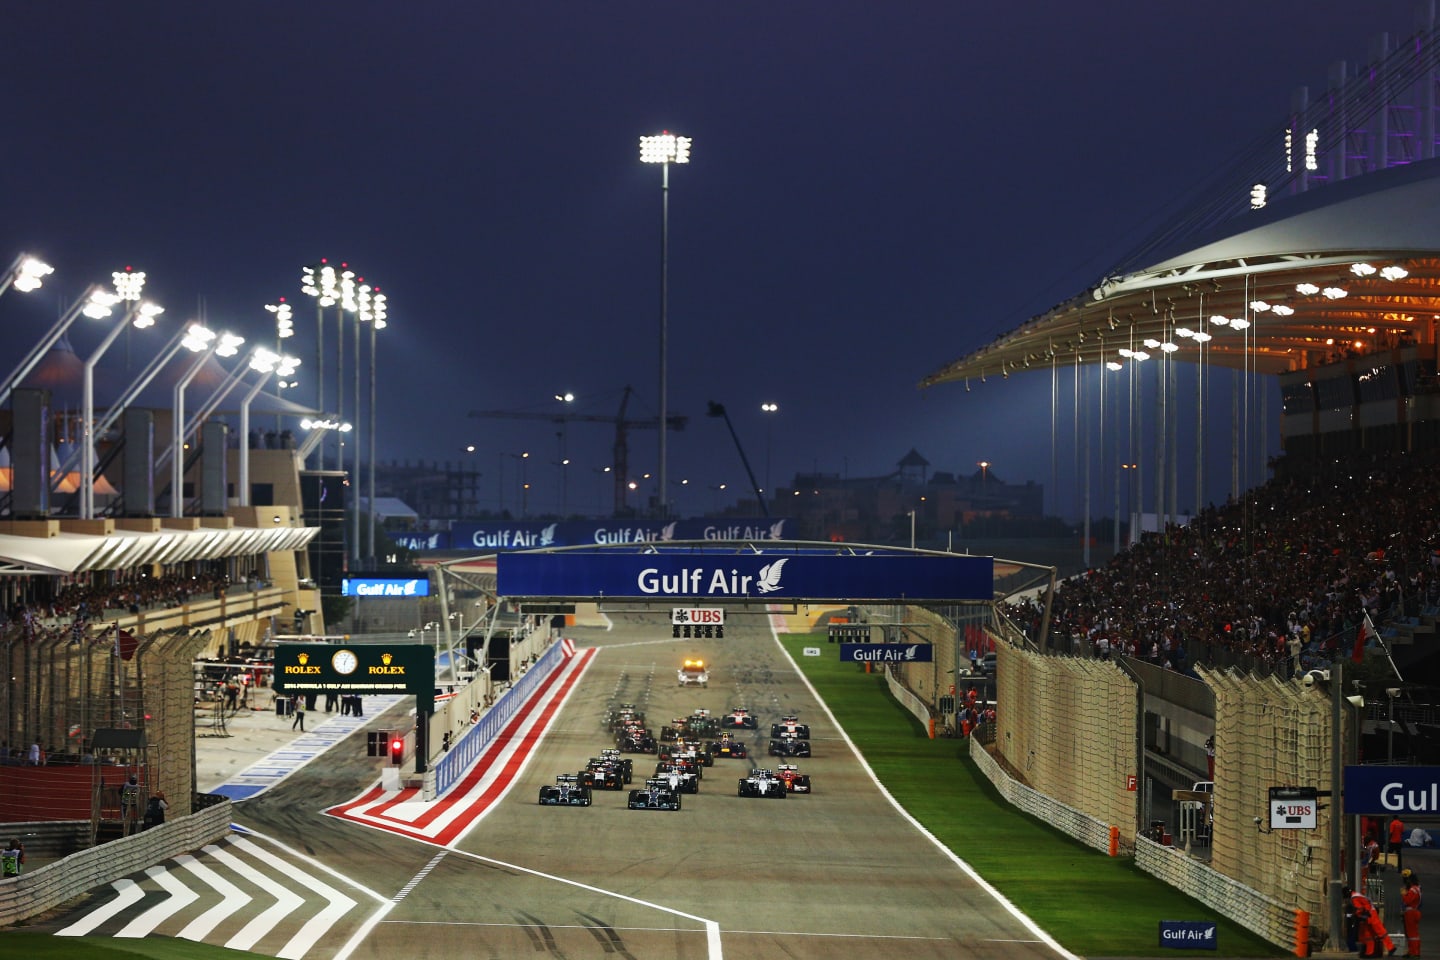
739	719
627	766
790	724
565	792
603	774
682	777
727	746
688	751
692	673
622	715
634	738
656	795
794	780
762	783
789	745
701	724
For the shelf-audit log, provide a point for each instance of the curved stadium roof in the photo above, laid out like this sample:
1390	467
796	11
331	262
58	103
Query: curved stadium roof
1384	219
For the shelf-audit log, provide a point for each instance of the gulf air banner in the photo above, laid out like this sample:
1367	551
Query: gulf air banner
532	535
730	576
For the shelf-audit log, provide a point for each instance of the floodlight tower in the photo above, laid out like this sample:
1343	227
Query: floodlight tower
664	149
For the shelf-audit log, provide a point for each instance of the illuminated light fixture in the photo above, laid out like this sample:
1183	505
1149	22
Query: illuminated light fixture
128	284
1169	347
1259	306
229	345
1239	323
99	304
1359	344
1281	310
1202	337
1184	332
196	337
284	324
1312	148
1329	341
1257	196
1114	365
262	360
1151	342
145	315
325	425
1335	293
1220	321
1392	272
1126	352
31	274
1308	289
1141	355
1362	269
665	148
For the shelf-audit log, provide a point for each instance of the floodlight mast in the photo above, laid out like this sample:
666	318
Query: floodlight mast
665	149
95	303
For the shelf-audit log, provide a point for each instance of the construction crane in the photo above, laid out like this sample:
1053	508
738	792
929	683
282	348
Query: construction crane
620	466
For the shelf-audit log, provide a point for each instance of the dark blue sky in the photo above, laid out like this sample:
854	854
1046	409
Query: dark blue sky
875	190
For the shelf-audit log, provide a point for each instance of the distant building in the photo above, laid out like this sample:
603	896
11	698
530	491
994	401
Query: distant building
438	493
877	509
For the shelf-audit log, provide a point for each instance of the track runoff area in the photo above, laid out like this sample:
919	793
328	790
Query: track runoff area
838	869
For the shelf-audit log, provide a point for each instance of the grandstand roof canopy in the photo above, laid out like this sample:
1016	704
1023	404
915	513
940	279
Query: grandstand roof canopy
1326	238
67	553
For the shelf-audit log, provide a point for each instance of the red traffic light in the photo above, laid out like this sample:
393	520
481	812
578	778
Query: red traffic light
397	750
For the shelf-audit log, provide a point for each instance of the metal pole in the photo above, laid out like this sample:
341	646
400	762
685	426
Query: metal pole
320	377
356	456
1337	925
664	327
370	542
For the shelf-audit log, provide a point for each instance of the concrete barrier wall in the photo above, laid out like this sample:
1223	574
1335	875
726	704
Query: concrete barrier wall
1066	819
1253	910
44	888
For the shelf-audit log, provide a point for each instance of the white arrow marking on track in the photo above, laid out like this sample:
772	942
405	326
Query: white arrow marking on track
128	893
285	901
179	898
232	898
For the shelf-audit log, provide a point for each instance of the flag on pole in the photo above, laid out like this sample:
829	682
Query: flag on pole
1364	635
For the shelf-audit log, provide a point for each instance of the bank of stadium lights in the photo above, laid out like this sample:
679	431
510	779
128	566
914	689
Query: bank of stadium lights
1257	196
99	304
1239	323
1152	343
665	148
1259	306
1307	289
30	273
1282	310
128	283
319	281
145	315
229	345
1394	272
1169	347
1114	365
197	337
1335	293
308	424
1363	269
284	318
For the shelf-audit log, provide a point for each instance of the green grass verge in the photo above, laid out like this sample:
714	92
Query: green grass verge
1093	904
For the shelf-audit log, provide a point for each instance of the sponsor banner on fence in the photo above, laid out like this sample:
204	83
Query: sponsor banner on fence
729	576
574	533
1188	934
885	652
1383	790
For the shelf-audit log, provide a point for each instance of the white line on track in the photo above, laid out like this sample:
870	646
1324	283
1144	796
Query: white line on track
712	928
1040	935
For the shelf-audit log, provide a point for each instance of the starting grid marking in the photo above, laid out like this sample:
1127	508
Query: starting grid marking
488	780
265	773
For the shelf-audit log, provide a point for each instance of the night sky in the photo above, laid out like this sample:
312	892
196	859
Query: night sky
875	189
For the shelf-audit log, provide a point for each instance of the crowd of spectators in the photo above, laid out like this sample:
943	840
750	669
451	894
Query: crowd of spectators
131	592
1280	580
